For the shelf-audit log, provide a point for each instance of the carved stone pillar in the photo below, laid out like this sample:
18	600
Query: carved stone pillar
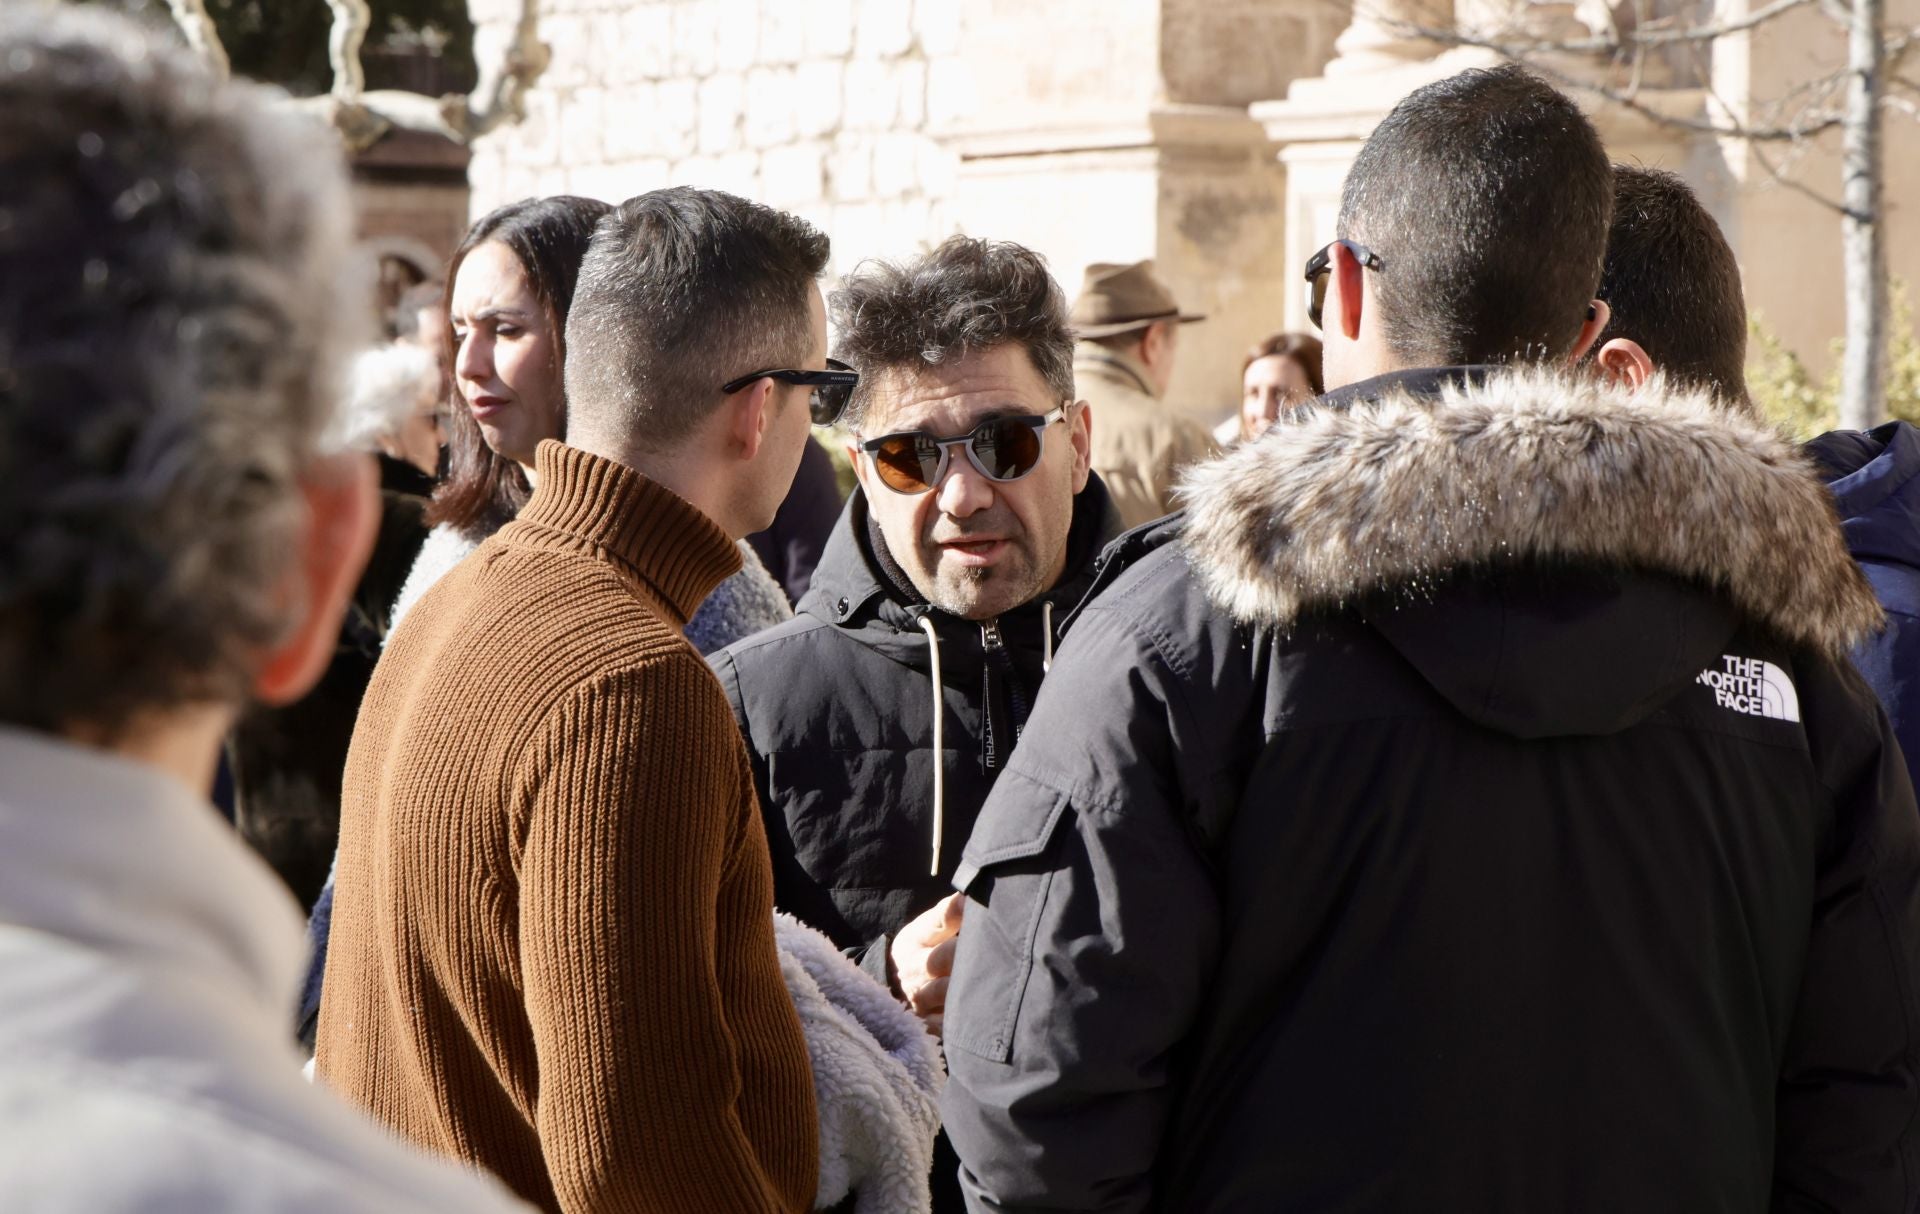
1131	141
1384	36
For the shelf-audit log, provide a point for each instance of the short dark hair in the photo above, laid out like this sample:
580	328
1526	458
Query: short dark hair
1302	348
966	296
175	304
548	236
1674	284
1486	196
682	290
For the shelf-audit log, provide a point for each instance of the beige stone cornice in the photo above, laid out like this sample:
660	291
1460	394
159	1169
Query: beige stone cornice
1185	128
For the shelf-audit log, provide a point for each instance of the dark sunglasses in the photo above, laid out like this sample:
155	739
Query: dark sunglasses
832	388
1320	268
1002	448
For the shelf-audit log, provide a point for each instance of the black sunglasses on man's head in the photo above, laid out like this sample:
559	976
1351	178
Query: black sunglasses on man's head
1320	268
832	388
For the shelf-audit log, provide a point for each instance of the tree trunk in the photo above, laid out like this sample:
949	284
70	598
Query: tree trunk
1863	390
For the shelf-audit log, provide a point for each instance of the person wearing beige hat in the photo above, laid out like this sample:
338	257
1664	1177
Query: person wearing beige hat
1127	325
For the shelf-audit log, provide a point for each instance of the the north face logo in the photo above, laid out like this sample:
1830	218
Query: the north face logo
1757	688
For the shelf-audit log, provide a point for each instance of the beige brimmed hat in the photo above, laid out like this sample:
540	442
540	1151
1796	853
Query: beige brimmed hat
1116	298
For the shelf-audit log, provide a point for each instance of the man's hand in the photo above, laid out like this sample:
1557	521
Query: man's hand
922	955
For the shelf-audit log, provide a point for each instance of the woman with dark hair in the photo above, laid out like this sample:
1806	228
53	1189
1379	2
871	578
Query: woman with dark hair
1279	374
509	286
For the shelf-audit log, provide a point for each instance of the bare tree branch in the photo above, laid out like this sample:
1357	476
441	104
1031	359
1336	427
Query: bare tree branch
1783	176
500	95
361	117
1707	33
1646	33
1533	55
350	22
1897	48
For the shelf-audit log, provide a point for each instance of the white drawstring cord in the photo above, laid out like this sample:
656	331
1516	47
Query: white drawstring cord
1046	637
939	746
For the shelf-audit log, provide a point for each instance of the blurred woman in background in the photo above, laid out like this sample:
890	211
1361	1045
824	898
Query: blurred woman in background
1279	374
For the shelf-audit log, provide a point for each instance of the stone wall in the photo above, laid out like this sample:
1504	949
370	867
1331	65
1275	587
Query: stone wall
822	107
1108	130
1092	130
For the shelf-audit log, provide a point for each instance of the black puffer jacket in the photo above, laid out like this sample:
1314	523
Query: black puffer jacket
1472	810
837	706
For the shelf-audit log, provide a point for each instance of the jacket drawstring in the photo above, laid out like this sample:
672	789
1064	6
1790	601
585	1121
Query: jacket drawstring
1046	637
939	745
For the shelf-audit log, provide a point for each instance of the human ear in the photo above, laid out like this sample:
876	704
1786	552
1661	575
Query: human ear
852	448
1624	363
750	416
1598	314
342	499
1154	343
1080	433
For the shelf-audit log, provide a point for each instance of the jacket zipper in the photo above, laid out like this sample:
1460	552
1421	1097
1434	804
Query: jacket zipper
990	635
995	645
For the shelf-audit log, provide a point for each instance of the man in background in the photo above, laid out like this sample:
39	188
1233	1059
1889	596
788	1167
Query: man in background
1128	326
1672	287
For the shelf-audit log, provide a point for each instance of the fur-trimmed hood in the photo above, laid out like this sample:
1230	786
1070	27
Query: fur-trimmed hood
1525	468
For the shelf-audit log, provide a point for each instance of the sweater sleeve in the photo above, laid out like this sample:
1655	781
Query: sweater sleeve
652	1010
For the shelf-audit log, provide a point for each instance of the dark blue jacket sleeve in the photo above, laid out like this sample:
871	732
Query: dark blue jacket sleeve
1090	933
1890	661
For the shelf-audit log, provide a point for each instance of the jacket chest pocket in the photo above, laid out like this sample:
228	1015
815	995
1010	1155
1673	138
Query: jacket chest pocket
863	819
1007	865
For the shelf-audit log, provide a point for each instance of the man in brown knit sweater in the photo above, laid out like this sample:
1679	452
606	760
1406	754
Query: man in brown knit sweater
552	949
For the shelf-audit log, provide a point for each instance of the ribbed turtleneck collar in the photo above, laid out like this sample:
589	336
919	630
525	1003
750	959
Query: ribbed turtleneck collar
678	551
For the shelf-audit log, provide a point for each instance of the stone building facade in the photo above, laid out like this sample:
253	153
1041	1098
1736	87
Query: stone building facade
828	108
1211	135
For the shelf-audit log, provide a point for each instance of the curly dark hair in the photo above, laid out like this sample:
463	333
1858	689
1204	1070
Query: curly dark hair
172	313
966	296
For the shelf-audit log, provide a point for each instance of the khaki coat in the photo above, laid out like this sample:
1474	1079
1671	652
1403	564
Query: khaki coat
1140	446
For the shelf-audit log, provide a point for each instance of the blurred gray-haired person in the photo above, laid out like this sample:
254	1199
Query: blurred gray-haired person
173	542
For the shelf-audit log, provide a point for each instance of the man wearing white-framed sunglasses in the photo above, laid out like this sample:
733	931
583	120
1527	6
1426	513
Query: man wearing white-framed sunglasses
881	715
